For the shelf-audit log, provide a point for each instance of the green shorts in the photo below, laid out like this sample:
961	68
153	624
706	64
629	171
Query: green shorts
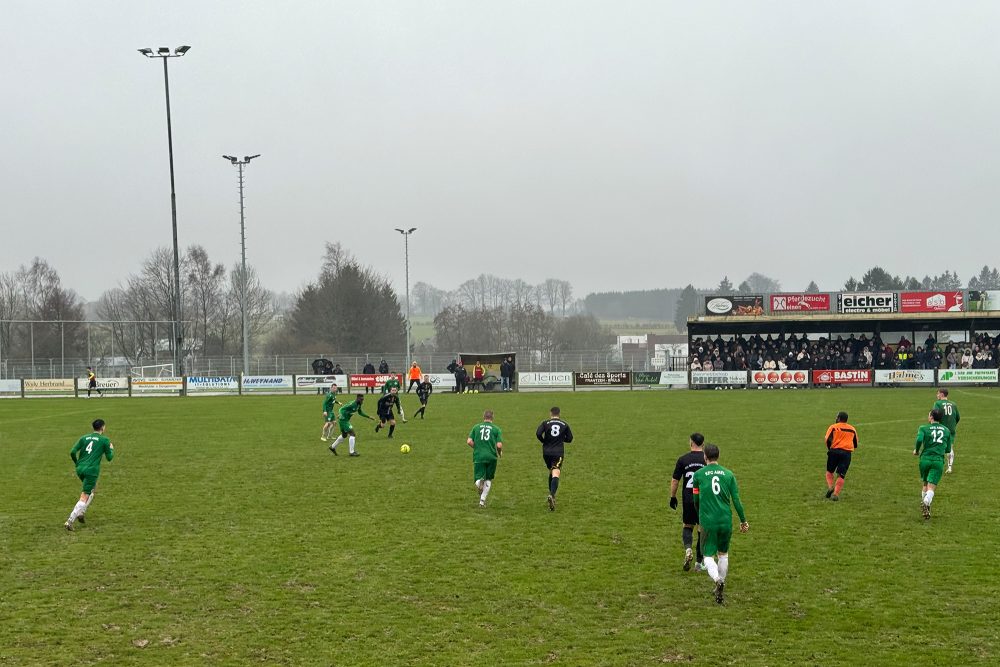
715	539
89	481
484	469
931	470
331	416
344	425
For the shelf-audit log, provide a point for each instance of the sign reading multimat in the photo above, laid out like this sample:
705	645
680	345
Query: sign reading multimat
868	302
736	304
602	379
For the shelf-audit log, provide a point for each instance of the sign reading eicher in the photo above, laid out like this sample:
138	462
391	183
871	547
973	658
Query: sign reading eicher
806	302
860	376
213	383
779	378
157	384
48	386
553	379
718	377
375	381
103	383
738	304
868	302
957	375
253	382
931	302
659	378
324	381
914	376
982	300
602	379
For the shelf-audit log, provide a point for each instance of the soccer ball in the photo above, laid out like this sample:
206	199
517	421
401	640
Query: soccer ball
405	449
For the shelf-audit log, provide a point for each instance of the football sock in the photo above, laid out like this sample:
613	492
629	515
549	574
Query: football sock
839	486
377	427
336	442
392	427
90	499
951	458
79	509
486	490
711	568
829	480
687	536
479	485
723	566
698	555
553	485
350	443
928	497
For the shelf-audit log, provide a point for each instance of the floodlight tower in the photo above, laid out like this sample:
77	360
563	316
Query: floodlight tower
240	164
406	245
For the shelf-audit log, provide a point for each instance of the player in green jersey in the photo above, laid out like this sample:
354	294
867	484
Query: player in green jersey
329	413
714	488
949	418
344	423
86	455
389	385
933	443
487	446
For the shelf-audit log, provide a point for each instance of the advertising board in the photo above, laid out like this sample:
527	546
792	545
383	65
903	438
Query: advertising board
804	302
602	379
441	380
10	386
263	382
868	302
982	300
370	380
542	379
779	378
213	383
103	383
735	304
700	378
852	376
153	385
48	386
963	375
931	302
659	378
900	376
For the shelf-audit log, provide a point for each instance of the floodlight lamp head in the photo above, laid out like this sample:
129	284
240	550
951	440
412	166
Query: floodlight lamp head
148	52
181	50
165	50
400	230
230	158
411	230
250	157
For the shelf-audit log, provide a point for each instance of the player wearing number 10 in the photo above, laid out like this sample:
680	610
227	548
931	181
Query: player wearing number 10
949	419
935	440
714	488
487	446
86	454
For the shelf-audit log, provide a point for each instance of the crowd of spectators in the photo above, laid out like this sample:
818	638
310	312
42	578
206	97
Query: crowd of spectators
794	352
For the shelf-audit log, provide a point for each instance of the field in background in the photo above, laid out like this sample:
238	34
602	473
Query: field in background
635	327
225	533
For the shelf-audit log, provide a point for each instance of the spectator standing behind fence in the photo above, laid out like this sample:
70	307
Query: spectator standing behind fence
461	378
337	370
505	374
369	369
383	367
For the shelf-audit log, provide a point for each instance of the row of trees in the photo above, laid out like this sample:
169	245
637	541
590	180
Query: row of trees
488	292
35	292
518	327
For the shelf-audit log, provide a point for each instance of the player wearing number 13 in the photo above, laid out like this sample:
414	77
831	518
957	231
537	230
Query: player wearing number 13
487	446
933	443
87	454
714	488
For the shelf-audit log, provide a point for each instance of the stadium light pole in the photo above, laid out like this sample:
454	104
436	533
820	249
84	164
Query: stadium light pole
165	54
243	253
406	246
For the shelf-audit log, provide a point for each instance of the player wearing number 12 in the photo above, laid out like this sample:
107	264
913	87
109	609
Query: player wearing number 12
714	488
487	446
933	443
949	419
87	454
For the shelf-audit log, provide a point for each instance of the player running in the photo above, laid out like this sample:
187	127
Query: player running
329	412
424	391
92	382
553	433
86	455
714	488
487	446
934	439
390	384
384	411
344	423
685	469
841	440
950	418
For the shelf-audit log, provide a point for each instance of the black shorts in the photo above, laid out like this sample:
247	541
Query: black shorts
423	399
690	512
838	461
92	384
385	416
553	462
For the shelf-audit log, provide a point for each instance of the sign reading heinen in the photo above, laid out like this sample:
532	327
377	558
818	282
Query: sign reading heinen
551	379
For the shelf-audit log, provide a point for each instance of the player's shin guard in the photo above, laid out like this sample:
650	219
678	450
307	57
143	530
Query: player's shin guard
336	442
553	485
350	443
839	486
723	566
928	497
486	490
687	536
711	568
90	499
392	428
78	509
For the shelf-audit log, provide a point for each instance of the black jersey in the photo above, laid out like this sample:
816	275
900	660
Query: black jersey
386	402
685	469
424	390
553	434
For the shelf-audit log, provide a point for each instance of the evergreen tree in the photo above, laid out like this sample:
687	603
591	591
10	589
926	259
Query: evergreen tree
687	306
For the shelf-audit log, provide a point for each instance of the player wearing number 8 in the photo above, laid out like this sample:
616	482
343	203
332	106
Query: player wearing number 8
714	489
86	455
553	433
487	446
933	443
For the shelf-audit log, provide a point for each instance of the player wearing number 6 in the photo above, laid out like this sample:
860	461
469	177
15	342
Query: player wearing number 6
487	446
714	488
553	433
949	419
86	455
933	443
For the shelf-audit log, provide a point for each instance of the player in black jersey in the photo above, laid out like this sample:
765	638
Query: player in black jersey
385	410
685	469
424	391
553	433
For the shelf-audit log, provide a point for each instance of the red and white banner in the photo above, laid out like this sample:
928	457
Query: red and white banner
860	376
779	378
375	381
816	303
931	302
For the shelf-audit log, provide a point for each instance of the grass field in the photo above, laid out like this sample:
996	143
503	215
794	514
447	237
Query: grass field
224	533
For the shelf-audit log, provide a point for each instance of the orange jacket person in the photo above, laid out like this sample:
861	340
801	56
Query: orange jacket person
841	440
414	375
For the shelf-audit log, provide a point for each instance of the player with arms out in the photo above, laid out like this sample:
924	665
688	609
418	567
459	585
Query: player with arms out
684	471
390	384
424	391
553	433
949	418
384	410
86	455
344	424
487	446
841	440
329	412
714	489
933	444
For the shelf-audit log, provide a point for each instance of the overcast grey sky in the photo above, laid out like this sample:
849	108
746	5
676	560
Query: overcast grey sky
613	144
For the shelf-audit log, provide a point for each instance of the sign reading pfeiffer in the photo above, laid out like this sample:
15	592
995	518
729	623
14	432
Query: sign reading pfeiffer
868	302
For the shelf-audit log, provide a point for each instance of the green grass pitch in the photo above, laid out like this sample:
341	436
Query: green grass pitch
224	533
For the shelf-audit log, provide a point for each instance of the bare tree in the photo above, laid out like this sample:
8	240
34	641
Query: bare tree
335	257
550	294
565	295
206	281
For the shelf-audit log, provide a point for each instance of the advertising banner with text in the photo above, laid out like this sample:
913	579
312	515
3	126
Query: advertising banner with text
552	379
960	375
152	385
915	376
441	380
659	378
859	376
262	382
602	379
868	302
736	304
48	386
374	381
779	378
213	383
103	383
931	302
718	377
805	302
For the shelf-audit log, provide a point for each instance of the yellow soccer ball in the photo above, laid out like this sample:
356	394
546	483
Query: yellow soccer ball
405	449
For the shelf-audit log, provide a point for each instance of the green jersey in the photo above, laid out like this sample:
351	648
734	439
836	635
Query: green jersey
714	488
949	414
329	401
933	441
485	436
348	410
87	453
389	384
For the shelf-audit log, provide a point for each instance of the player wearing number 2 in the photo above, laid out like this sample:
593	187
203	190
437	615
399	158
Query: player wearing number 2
553	433
684	471
86	455
934	439
714	489
949	418
487	446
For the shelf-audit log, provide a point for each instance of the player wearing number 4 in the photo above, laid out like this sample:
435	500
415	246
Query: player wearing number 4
684	471
949	418
553	433
86	455
714	489
487	446
935	440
